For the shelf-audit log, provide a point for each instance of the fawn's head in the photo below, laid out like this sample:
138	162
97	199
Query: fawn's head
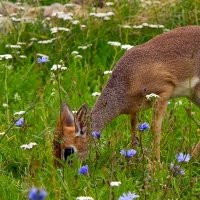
71	133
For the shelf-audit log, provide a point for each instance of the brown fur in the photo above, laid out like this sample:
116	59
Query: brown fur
168	66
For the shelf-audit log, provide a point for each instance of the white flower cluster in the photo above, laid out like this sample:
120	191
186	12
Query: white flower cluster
28	146
118	44
115	183
6	56
107	72
84	198
96	94
62	15
149	25
105	16
56	29
152	96
58	66
19	113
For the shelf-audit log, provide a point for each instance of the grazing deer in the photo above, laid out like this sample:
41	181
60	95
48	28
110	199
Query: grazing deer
66	139
167	65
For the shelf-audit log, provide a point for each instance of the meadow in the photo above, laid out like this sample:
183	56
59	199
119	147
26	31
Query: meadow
80	49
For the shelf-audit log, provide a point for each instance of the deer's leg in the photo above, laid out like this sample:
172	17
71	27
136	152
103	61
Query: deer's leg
159	109
133	120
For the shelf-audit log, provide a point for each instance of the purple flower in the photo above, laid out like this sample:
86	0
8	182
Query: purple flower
43	60
183	157
128	196
143	126
37	194
128	153
176	169
20	122
96	134
83	170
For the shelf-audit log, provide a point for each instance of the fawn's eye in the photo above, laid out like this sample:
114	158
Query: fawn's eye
68	151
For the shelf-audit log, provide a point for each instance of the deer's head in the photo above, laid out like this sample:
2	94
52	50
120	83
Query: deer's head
71	133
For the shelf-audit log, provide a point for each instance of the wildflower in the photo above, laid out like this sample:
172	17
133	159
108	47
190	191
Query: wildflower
5	105
152	95
19	113
156	26
82	47
21	43
74	52
37	194
56	67
22	56
83	170
2	133
43	60
128	153
13	46
6	56
126	46
117	44
94	94
20	122
183	157
109	3
128	196
96	134
84	198
45	41
176	170
28	146
115	183
145	24
143	126
17	97
33	39
75	22
126	26
78	56
107	72
56	29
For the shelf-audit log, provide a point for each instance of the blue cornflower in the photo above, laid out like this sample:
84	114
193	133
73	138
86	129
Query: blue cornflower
128	196
128	153
37	194
183	157
43	60
96	134
176	169
143	126
83	170
20	122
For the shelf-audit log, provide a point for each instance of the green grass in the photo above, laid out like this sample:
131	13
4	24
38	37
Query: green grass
20	169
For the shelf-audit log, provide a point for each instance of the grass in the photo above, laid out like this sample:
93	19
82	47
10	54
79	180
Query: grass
40	90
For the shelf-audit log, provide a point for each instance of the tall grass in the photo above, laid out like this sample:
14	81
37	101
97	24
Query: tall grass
40	91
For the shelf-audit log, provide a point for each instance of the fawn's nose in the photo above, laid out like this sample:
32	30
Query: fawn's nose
68	151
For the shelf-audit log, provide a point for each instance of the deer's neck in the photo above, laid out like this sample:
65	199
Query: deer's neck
107	107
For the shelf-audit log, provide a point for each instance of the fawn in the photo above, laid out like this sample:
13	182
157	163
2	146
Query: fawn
167	65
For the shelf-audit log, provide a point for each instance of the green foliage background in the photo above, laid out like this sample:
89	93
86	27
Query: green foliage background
22	169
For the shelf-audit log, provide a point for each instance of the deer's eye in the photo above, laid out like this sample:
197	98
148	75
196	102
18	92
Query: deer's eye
68	151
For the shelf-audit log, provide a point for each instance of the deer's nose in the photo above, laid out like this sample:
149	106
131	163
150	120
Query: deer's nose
68	151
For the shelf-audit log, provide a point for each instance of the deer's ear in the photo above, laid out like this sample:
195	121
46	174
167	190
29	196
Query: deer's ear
67	116
81	120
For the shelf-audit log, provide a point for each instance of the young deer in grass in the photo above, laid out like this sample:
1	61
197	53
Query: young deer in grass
66	139
168	65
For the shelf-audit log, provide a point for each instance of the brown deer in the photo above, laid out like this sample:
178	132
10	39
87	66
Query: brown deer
167	65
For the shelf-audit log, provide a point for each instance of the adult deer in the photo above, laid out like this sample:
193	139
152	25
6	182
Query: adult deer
167	65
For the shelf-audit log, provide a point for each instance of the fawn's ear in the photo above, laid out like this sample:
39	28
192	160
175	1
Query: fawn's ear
80	120
67	116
